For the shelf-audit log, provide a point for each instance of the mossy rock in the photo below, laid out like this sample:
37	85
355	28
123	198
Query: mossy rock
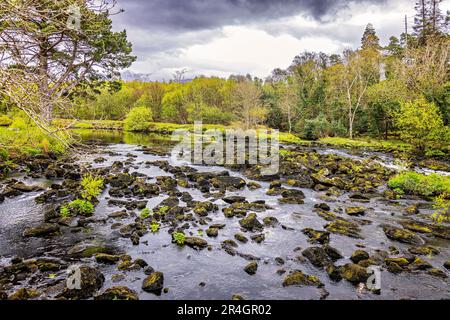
344	227
424	251
299	279
402	235
241	238
24	294
317	256
420	264
402	262
91	281
106	258
447	265
118	293
196	243
355	211
437	273
354	273
212	232
359	255
251	268
154	283
43	230
317	236
251	222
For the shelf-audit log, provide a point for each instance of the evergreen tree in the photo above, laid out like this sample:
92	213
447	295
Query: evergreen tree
370	39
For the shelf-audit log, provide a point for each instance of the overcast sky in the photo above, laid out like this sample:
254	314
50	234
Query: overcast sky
223	37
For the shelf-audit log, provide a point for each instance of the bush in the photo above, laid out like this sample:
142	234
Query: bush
314	129
92	187
420	123
414	183
179	238
138	119
5	121
77	208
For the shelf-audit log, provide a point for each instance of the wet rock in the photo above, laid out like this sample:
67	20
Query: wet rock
437	273
251	222
420	264
121	181
292	196
322	206
334	272
355	211
43	230
359	255
24	294
203	208
106	258
394	268
118	293
253	186
196	243
88	249
70	222
447	265
424	251
228	182
241	238
417	226
20	186
135	238
359	197
270	221
299	279
354	273
344	227
412	210
317	256
154	283
251	268
117	278
402	235
234	199
212	232
258	238
118	215
317	236
237	297
91	280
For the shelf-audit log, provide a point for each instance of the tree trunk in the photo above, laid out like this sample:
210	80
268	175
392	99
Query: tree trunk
350	123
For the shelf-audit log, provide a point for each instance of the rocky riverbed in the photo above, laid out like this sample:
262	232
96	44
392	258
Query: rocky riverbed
308	233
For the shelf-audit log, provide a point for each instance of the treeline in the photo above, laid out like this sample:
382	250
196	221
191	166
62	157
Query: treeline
402	89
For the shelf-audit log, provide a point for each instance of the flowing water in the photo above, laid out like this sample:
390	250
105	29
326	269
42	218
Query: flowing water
223	275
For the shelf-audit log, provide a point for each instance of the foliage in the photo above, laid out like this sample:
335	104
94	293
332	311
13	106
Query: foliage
92	187
145	213
5	121
419	184
421	124
442	207
179	238
77	208
155	226
138	119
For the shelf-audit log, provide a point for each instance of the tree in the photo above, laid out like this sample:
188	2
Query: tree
351	80
429	21
420	123
288	103
370	39
47	48
247	99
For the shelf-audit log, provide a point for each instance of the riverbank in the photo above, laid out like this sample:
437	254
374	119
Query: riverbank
162	229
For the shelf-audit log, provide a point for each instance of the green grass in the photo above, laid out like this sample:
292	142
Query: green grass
389	145
414	183
89	124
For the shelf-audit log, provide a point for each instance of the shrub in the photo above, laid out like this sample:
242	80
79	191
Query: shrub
442	207
145	213
138	119
179	238
4	154
420	123
77	208
92	187
419	184
154	227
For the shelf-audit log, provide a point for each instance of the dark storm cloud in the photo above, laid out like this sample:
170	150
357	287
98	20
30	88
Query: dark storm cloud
192	15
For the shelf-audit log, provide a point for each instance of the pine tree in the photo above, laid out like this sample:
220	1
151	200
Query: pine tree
370	39
437	18
421	21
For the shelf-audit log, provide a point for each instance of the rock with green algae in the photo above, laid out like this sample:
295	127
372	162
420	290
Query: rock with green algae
359	255
355	211
298	278
24	294
43	230
437	273
118	293
154	283
354	273
237	297
344	227
317	236
317	256
251	268
251	222
195	242
212	232
424	250
106	258
402	235
91	280
241	238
